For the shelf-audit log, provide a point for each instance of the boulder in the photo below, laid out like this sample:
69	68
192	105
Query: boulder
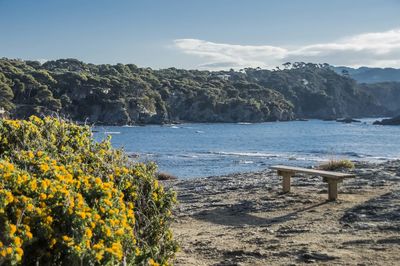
348	120
395	121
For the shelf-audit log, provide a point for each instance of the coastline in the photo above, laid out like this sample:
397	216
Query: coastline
338	119
244	219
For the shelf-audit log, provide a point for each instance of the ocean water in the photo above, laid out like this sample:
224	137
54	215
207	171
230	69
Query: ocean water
196	150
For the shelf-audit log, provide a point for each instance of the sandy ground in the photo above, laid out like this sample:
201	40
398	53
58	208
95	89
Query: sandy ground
244	219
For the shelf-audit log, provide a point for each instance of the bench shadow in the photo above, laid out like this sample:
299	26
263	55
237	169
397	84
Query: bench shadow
239	215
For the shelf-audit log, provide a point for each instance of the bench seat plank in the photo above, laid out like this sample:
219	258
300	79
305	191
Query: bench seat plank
322	173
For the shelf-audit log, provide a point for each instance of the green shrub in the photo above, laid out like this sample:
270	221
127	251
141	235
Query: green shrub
66	199
333	165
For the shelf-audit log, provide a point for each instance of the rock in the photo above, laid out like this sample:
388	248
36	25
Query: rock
395	121
348	120
316	256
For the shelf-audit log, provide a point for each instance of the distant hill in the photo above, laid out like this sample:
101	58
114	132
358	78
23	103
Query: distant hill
370	75
126	94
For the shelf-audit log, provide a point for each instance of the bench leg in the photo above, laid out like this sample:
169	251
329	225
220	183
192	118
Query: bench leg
286	182
332	190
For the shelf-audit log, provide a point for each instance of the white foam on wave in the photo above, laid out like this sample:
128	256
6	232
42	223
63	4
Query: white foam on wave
246	154
129	126
246	162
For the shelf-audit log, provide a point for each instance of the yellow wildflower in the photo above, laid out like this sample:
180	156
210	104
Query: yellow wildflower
42	196
88	233
66	238
9	250
13	229
153	263
17	241
49	219
30	155
53	241
44	167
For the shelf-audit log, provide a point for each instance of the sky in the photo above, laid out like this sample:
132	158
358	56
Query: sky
206	34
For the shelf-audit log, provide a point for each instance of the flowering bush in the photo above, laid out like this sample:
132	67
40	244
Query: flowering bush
66	199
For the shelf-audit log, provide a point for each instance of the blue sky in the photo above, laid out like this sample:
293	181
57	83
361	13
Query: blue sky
209	34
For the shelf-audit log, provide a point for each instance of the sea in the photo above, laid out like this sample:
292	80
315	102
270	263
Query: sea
208	149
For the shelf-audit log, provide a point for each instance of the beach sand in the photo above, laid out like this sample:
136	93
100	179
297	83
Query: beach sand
244	219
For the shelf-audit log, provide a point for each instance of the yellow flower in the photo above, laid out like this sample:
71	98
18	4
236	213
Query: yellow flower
108	232
33	185
153	263
9	197
42	196
119	232
53	241
29	235
44	167
49	219
154	195
66	238
13	229
20	252
124	170
17	241
88	233
99	256
137	251
31	155
9	250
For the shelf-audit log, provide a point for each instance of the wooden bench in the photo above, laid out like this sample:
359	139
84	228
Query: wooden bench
332	178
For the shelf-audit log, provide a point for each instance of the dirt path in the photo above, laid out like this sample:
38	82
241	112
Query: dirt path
243	219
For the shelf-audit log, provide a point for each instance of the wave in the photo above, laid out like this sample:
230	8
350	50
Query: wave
128	126
246	162
112	132
244	154
335	154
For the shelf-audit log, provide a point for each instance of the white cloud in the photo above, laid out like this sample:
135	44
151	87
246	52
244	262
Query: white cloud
381	49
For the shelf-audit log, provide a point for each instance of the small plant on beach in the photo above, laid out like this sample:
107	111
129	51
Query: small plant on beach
66	199
333	165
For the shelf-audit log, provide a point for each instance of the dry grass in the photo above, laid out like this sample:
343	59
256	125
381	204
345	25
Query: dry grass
333	165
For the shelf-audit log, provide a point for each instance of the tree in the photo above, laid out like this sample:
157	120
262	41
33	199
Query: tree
6	96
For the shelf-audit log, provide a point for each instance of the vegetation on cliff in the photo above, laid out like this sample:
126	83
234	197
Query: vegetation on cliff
65	199
385	93
126	94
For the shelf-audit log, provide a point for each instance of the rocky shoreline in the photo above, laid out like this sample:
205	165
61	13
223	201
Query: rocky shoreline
395	121
244	219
